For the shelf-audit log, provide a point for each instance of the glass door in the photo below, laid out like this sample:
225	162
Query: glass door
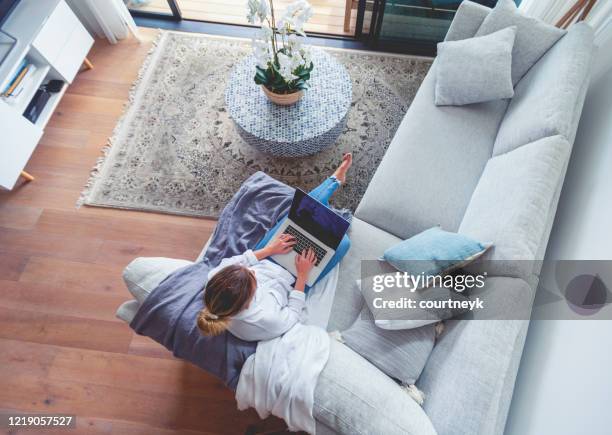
155	8
331	17
418	22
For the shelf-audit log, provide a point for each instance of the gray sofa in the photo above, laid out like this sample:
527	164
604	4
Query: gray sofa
494	170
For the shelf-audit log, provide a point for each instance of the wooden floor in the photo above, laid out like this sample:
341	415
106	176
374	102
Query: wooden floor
328	14
61	348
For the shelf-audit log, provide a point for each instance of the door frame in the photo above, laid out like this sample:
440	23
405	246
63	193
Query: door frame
177	15
359	39
175	12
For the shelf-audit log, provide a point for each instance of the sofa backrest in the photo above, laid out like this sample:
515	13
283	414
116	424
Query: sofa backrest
511	205
433	163
548	100
467	21
436	157
474	364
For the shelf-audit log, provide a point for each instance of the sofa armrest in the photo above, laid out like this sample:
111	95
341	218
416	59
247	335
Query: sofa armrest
354	397
467	21
141	276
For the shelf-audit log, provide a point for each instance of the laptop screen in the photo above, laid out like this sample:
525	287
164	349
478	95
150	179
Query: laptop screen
317	219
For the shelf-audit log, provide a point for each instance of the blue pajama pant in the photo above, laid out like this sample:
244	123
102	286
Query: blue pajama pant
321	193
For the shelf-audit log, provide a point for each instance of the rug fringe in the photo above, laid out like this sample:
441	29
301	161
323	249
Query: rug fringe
96	171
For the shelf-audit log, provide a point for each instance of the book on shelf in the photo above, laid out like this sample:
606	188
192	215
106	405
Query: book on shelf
20	79
19	84
14	80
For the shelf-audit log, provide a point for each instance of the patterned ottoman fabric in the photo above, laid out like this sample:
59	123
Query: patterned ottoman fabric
313	123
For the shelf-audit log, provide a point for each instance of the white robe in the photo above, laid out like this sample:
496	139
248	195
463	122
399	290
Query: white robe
281	376
275	307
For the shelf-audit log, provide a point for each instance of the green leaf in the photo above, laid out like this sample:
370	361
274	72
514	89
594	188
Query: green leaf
259	80
261	77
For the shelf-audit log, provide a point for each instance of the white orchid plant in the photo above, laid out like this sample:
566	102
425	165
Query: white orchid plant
283	62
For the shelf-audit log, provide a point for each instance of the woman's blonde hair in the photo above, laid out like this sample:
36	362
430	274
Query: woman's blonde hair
226	294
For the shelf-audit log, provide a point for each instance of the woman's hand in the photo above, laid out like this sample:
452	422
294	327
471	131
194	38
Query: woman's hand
304	264
283	244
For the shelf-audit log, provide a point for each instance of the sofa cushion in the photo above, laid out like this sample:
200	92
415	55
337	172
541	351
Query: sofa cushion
367	243
143	274
533	37
434	251
127	310
467	21
475	70
512	202
548	100
400	354
469	377
354	397
428	304
434	161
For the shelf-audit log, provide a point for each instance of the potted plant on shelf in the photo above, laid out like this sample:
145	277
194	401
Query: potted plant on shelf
283	62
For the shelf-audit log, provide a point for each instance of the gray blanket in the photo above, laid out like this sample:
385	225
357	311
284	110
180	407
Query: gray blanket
168	315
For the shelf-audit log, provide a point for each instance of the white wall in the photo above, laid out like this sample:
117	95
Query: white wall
564	384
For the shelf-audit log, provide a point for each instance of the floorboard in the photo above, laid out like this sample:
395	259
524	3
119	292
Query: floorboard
61	347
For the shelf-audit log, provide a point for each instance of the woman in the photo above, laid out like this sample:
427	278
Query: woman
255	298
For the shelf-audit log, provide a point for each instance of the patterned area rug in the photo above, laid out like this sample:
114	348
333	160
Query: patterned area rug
177	151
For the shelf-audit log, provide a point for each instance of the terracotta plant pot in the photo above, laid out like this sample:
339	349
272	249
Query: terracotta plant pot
283	99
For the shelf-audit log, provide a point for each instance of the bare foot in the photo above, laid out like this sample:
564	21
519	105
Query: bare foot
347	161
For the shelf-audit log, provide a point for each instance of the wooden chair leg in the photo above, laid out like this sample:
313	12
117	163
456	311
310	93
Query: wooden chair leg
27	176
348	8
88	64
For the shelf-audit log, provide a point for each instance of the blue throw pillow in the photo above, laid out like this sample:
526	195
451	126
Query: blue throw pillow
434	252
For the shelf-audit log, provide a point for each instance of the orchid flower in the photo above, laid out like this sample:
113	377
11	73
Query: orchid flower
285	56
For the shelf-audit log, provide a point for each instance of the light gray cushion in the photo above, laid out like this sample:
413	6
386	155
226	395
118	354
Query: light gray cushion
469	377
548	100
143	274
533	37
405	319
511	204
395	318
127	310
399	354
432	165
467	21
367	243
354	397
475	70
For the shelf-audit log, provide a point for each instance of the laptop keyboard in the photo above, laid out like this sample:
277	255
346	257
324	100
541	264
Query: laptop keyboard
303	243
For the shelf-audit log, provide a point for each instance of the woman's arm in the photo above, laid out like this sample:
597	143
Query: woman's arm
281	245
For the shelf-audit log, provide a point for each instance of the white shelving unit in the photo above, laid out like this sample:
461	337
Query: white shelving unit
51	37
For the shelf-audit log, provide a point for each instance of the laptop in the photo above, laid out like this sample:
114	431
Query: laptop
314	226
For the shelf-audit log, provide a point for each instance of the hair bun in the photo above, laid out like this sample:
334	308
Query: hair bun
211	324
